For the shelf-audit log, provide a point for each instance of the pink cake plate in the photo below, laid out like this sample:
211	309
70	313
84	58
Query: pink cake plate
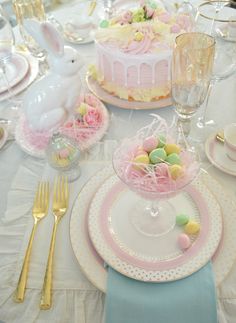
103	95
93	265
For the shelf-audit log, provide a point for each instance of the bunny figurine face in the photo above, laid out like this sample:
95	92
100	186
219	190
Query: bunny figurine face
67	64
49	101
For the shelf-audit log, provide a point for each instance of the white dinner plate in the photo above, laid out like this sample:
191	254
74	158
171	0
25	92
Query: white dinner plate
26	81
216	154
16	70
93	265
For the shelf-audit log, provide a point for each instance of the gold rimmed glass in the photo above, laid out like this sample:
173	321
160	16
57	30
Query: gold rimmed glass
191	72
29	9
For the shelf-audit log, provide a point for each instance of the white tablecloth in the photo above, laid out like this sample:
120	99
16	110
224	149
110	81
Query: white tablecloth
75	299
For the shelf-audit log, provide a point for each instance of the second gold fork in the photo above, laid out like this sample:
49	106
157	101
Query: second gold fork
59	206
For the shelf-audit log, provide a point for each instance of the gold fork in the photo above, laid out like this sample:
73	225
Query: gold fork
40	210
59	207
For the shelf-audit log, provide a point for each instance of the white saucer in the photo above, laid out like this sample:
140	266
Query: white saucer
16	70
73	39
223	32
216	154
26	81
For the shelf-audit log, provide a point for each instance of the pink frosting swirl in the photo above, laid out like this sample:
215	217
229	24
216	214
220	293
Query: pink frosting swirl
141	47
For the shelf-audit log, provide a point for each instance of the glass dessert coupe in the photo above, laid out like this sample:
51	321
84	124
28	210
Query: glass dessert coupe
156	167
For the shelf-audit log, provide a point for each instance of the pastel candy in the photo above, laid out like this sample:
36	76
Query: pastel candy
175	171
172	148
184	241
64	153
150	143
157	155
140	151
104	23
173	159
142	159
182	219
161	141
192	227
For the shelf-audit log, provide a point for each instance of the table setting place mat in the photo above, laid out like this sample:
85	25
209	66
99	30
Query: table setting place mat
75	299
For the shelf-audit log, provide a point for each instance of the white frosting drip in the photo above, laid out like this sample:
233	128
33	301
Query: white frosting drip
128	60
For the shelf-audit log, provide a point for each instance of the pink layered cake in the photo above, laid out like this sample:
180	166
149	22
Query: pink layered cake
134	50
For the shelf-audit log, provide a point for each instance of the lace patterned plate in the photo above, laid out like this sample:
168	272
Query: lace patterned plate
153	259
103	95
93	265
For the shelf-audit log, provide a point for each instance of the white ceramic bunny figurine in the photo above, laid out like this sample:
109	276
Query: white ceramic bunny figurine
48	102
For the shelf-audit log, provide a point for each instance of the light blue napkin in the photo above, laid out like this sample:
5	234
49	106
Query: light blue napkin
189	300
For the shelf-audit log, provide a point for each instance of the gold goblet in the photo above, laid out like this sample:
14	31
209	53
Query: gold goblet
29	9
192	65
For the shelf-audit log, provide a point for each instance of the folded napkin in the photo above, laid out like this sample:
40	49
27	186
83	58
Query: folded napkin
189	300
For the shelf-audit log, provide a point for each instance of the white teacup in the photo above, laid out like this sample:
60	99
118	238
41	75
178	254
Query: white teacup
232	27
230	141
80	27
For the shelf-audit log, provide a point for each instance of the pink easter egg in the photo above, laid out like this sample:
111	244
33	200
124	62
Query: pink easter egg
150	143
175	29
162	170
64	153
184	241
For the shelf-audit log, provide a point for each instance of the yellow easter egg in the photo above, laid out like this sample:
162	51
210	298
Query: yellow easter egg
176	171
138	36
172	148
192	227
142	159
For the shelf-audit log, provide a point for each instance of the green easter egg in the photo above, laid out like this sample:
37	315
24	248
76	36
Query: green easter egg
182	219
157	155
173	159
104	24
161	141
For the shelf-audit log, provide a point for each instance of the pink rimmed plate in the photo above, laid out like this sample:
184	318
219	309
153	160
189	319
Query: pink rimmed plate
30	76
16	70
216	154
152	259
93	265
103	95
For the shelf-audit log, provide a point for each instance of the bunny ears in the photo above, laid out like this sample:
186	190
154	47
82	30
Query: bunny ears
46	36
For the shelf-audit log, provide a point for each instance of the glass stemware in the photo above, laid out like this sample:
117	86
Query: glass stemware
192	64
31	9
7	41
153	213
224	66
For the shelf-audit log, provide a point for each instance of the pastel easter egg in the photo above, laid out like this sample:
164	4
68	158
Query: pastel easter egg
150	143
181	219
172	148
141	159
140	151
184	241
192	227
64	153
157	155
175	29
176	171
138	36
83	108
173	159
162	170
104	23
161	141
